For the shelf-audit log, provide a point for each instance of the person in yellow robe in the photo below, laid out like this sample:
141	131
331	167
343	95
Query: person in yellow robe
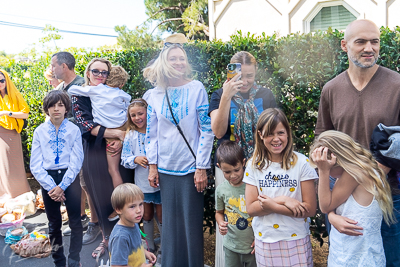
13	111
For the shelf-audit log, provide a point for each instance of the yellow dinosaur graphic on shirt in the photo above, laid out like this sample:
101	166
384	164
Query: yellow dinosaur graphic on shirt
240	204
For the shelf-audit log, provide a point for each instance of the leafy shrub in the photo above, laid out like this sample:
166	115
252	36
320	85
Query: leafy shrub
295	67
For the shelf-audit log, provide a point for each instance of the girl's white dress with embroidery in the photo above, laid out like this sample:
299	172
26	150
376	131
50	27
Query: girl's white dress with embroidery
133	147
364	250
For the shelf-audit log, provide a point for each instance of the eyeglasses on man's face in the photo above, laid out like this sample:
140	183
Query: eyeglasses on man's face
103	73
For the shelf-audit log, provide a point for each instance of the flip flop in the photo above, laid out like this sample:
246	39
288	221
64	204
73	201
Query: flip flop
100	250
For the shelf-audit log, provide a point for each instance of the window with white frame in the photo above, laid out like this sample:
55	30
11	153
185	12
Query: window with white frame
336	17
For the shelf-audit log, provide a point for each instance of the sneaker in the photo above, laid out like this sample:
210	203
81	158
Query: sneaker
159	258
91	234
67	231
113	216
85	221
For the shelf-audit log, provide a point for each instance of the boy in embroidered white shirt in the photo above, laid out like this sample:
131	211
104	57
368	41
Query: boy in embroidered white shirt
56	159
110	105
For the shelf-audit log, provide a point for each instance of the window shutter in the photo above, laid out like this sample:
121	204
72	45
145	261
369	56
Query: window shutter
336	17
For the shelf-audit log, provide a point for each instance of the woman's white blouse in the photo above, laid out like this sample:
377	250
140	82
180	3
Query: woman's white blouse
164	144
109	104
134	146
53	150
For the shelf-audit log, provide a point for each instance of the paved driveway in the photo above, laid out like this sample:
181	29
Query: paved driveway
39	222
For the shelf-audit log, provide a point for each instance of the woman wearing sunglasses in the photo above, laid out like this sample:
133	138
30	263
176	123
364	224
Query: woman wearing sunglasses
95	168
13	111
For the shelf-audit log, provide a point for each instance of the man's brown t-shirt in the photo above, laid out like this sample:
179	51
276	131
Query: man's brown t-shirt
342	107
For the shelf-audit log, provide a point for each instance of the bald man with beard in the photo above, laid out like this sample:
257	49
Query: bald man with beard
355	102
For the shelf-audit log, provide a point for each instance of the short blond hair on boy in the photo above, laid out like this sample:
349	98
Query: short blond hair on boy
125	193
48	74
118	77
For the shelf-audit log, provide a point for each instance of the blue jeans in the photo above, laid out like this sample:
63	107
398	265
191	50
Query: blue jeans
391	236
52	208
328	226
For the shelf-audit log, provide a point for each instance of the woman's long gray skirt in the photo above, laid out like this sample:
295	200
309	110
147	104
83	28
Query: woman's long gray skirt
182	219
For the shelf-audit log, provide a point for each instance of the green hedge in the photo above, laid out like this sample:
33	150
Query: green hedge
295	67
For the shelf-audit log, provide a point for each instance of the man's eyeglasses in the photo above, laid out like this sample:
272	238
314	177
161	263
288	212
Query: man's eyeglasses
103	73
3	81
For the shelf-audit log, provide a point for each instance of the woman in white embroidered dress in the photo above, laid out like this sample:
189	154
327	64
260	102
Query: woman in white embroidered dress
180	173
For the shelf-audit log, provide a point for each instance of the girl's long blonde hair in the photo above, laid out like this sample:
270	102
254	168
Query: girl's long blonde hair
266	124
136	102
359	163
161	70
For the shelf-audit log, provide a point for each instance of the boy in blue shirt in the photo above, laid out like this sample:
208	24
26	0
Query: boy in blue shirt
233	221
125	244
56	159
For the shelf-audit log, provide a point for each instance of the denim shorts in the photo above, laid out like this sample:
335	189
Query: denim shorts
154	198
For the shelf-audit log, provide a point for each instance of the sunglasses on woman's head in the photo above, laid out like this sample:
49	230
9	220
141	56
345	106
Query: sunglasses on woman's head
3	81
103	73
166	45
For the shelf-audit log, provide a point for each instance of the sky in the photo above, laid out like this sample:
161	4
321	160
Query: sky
87	16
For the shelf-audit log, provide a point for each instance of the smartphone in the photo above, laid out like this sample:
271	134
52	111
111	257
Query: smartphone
233	69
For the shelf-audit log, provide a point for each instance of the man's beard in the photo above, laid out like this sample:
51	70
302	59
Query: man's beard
361	65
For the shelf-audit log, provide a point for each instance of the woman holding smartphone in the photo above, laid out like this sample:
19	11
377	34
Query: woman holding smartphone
234	109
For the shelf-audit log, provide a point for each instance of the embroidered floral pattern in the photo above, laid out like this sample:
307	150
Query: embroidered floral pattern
57	141
179	99
204	119
140	140
79	117
126	149
149	111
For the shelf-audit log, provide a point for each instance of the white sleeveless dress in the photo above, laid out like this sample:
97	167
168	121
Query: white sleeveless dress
365	250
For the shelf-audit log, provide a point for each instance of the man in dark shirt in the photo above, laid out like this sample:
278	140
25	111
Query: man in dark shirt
63	64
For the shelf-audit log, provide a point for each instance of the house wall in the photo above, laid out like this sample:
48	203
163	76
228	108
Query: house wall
289	16
226	17
254	16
